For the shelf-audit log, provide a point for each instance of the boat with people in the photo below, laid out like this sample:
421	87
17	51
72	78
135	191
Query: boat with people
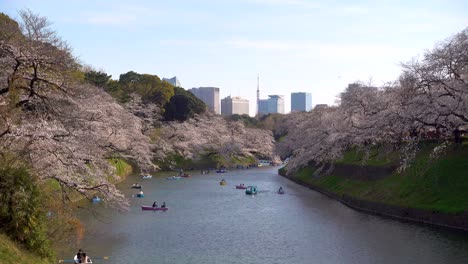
173	178
80	257
136	186
281	190
140	194
241	186
96	199
147	176
184	175
151	208
222	182
251	190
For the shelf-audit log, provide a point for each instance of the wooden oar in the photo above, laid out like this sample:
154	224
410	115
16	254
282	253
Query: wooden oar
72	260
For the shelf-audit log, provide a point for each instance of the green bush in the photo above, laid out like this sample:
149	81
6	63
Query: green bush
22	215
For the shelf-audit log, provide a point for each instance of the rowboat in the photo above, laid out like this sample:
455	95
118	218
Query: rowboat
96	199
185	175
242	187
75	260
136	186
251	190
173	178
280	192
151	208
222	183
140	195
148	176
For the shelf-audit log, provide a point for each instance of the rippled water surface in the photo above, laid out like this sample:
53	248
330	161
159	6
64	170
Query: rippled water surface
209	223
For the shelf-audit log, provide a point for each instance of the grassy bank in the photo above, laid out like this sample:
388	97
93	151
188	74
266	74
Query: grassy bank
439	185
210	160
11	253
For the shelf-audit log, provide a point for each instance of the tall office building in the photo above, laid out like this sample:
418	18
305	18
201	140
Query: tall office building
301	102
209	95
274	104
174	81
234	105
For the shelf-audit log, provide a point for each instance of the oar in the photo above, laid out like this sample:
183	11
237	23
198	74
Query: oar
72	260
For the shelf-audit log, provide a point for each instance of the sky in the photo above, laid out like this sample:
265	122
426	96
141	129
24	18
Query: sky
292	45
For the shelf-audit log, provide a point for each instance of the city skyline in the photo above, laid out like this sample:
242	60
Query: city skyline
295	45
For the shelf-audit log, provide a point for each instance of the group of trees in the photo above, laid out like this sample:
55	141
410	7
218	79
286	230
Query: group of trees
149	87
428	101
177	103
56	126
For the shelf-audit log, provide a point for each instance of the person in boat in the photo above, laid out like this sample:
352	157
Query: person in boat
155	205
85	259
141	192
78	256
280	190
163	205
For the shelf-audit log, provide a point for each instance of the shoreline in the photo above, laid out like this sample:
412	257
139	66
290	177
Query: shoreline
454	222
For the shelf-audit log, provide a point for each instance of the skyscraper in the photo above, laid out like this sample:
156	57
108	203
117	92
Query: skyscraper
209	95
301	102
274	104
258	94
174	81
234	105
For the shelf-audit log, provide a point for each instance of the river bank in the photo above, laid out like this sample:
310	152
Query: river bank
430	192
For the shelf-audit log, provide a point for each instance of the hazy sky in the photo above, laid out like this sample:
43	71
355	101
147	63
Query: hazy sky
294	45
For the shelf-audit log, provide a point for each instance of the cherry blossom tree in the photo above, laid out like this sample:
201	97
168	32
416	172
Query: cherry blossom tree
63	129
429	100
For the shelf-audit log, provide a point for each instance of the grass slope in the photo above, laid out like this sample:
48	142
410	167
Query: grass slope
11	253
437	185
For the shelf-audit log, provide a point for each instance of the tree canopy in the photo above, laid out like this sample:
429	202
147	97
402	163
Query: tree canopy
183	105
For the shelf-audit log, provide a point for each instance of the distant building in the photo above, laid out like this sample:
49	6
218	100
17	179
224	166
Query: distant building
301	102
174	81
234	105
209	95
274	104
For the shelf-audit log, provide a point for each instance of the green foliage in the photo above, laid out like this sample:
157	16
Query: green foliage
99	79
211	159
149	87
246	119
22	212
182	106
438	185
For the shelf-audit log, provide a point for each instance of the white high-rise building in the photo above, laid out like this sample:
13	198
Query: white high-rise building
234	105
274	104
209	95
174	81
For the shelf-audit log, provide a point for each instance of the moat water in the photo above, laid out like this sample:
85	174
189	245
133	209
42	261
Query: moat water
209	223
